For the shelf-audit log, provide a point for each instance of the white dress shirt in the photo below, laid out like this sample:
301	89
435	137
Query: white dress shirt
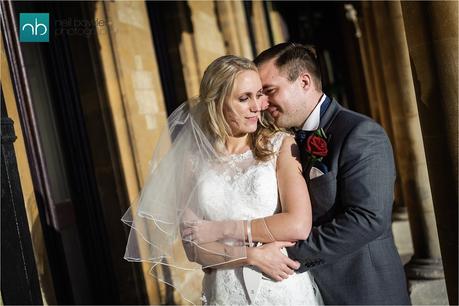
312	123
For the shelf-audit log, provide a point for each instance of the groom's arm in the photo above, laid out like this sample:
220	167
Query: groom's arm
216	255
366	178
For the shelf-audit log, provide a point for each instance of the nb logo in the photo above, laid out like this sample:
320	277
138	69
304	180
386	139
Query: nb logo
34	27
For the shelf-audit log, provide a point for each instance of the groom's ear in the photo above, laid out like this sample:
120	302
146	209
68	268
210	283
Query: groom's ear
305	80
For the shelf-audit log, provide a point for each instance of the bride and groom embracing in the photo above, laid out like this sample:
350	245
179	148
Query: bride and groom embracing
279	194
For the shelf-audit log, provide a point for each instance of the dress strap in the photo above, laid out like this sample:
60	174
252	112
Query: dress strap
277	140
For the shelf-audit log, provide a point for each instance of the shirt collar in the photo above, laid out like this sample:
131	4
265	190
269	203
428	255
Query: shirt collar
314	119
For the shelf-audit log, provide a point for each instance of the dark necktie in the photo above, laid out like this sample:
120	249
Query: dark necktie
301	136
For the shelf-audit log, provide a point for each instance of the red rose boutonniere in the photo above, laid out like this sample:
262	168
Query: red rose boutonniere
316	147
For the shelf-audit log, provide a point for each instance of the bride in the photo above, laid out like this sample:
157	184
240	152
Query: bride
225	183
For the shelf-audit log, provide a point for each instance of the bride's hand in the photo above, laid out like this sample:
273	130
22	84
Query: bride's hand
203	231
272	261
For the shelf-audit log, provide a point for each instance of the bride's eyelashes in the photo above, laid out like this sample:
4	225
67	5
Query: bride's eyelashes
243	98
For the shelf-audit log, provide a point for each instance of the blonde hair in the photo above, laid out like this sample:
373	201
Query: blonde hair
215	89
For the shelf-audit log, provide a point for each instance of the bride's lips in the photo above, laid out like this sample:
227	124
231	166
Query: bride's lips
252	119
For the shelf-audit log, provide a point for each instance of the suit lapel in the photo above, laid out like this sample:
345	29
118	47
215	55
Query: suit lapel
329	115
319	190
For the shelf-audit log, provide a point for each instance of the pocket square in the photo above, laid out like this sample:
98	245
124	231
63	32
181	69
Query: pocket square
315	172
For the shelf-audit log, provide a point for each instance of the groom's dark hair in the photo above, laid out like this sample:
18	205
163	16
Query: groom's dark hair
293	59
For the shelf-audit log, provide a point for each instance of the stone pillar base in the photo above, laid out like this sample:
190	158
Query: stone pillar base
428	292
424	269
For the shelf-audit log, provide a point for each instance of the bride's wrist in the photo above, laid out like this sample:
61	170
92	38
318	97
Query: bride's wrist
251	253
227	231
230	229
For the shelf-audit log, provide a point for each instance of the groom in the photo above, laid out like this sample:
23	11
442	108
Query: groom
349	169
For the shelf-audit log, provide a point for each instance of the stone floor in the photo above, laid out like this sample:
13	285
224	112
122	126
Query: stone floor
432	292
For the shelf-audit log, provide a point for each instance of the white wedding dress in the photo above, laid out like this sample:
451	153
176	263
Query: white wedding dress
242	189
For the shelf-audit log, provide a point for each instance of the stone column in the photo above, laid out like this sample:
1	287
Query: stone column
187	50
278	26
379	103
134	94
380	95
260	28
199	40
365	48
231	16
426	262
443	21
207	38
432	34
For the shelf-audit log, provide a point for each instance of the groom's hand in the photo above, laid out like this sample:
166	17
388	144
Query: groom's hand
271	261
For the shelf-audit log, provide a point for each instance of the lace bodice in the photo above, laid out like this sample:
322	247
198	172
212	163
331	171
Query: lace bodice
239	189
243	188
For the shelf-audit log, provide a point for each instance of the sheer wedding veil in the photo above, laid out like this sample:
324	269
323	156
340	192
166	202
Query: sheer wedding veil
169	199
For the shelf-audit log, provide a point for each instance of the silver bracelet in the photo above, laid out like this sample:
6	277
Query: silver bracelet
249	233
269	232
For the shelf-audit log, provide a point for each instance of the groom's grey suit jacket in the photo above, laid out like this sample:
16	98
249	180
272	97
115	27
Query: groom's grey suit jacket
351	251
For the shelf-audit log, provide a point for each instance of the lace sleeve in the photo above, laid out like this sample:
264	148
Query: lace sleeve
276	142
